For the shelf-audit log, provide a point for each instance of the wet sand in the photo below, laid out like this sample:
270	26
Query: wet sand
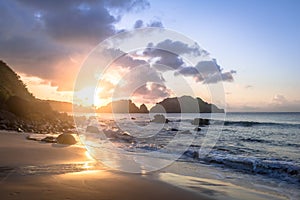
37	170
34	170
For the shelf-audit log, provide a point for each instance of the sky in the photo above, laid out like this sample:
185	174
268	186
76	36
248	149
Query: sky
254	46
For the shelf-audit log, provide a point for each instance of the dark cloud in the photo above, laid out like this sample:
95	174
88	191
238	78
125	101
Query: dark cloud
156	24
136	78
153	91
40	38
167	56
207	72
208	67
121	5
127	5
138	24
166	60
187	71
128	61
176	47
20	49
77	26
217	77
168	53
81	21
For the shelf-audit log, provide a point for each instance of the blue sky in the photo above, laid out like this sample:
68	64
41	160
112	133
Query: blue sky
260	39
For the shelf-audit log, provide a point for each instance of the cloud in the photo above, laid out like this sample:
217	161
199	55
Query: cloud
127	61
177	47
207	72
81	21
168	61
134	79
280	103
187	71
217	77
106	90
127	5
138	24
156	24
44	38
38	38
152	91
279	99
167	53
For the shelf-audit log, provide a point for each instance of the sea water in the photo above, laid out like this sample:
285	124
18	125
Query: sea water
261	148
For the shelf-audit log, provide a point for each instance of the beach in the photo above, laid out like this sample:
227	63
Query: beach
37	170
77	182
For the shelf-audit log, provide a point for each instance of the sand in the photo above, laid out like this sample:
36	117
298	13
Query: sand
36	170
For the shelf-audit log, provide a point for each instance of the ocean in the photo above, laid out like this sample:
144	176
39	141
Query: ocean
259	150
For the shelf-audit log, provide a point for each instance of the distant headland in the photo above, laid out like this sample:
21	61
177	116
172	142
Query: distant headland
184	104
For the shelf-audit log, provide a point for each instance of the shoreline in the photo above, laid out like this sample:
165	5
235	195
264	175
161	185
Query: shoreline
17	153
37	170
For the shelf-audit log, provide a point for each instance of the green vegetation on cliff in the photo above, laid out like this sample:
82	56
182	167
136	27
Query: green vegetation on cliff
21	111
11	85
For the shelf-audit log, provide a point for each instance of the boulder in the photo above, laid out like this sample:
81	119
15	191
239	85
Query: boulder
192	154
160	119
28	137
66	138
197	129
200	122
92	129
49	139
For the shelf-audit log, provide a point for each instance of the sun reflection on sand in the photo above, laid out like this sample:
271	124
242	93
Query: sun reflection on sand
89	156
90	166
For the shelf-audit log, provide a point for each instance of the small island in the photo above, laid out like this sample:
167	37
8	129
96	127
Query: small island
184	104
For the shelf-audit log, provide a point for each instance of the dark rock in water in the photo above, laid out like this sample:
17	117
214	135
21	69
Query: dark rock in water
200	122
133	118
174	129
126	134
30	138
3	127
160	119
192	154
185	132
92	129
195	155
197	129
49	139
66	138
